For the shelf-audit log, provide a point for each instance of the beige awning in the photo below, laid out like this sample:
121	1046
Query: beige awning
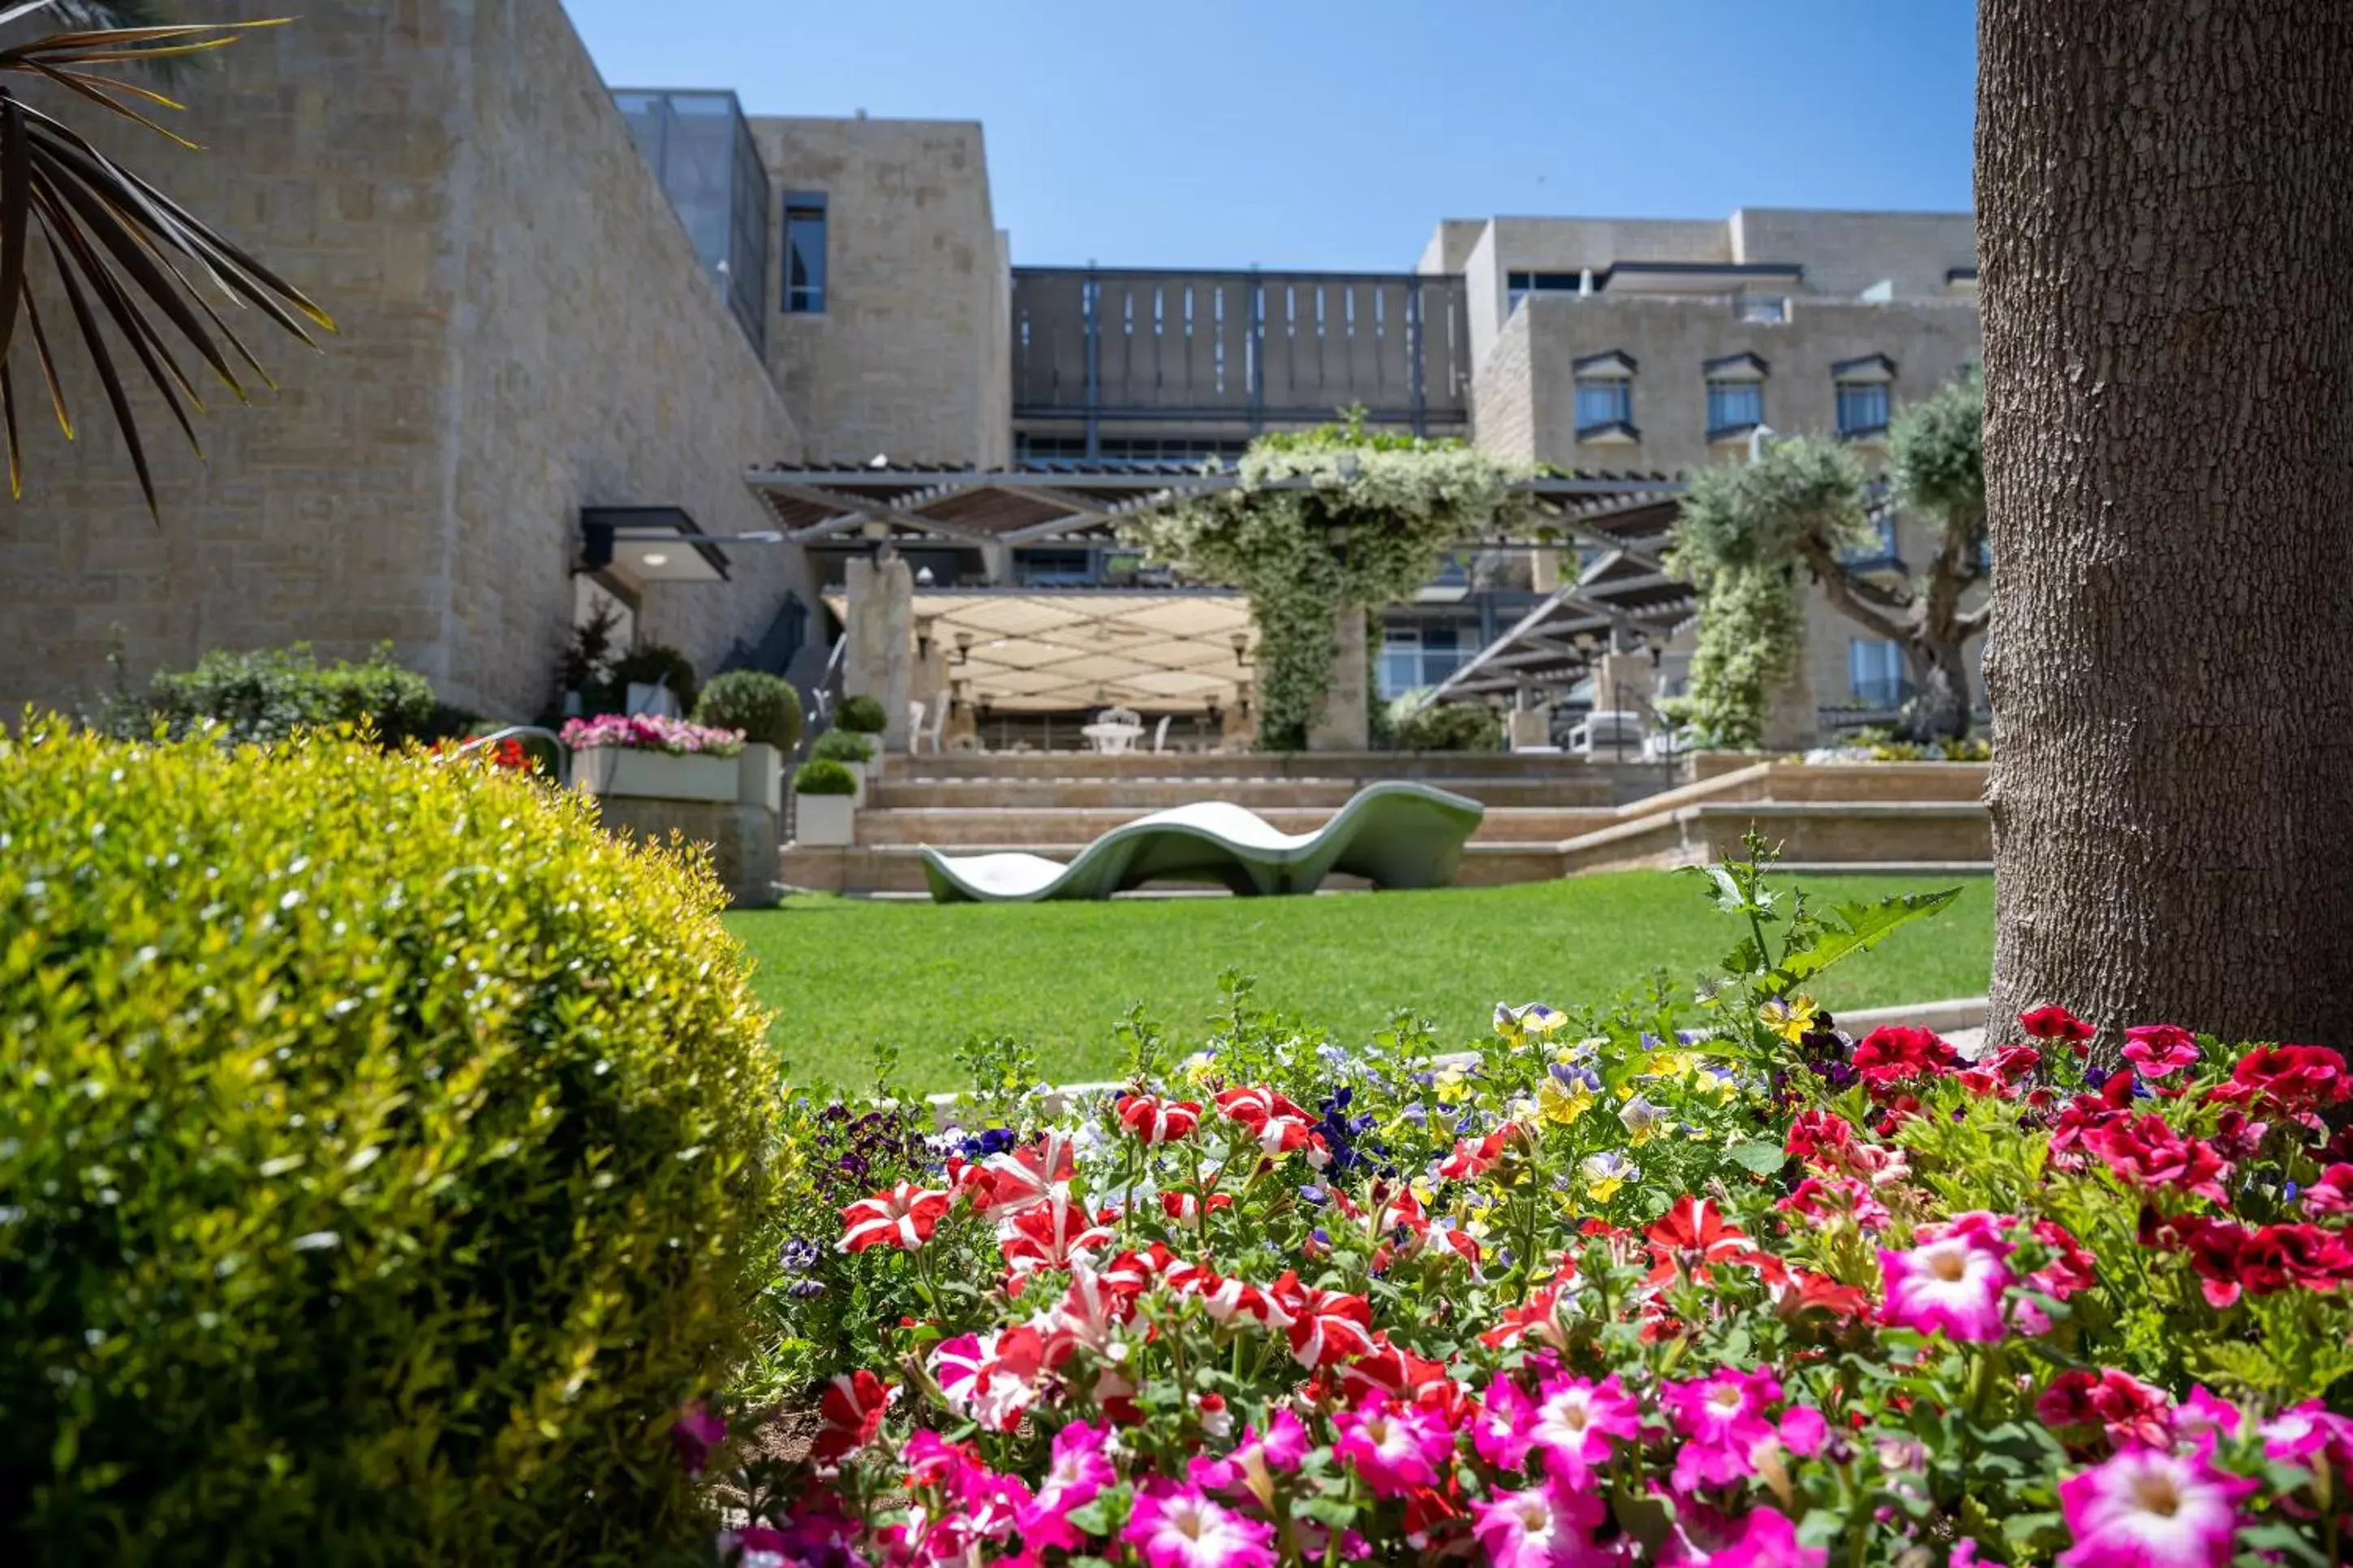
1040	652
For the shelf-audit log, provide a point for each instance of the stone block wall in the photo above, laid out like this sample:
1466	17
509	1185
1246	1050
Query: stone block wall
525	330
910	357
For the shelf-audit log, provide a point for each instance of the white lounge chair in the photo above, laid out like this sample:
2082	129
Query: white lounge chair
1160	734
1608	730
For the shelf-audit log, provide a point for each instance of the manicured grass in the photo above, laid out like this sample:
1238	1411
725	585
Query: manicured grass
844	973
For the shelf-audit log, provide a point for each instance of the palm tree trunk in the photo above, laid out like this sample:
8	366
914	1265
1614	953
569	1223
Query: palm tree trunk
2165	193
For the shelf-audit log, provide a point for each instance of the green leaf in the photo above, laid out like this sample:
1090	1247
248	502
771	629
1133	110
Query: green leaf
1858	927
1762	1158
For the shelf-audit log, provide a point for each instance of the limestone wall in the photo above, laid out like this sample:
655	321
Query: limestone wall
525	330
909	359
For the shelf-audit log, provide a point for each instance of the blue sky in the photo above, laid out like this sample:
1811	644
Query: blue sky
1308	133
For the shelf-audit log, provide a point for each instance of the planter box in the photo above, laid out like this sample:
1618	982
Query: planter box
825	821
625	771
760	779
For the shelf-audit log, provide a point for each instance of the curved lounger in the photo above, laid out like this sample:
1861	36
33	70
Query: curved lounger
1392	835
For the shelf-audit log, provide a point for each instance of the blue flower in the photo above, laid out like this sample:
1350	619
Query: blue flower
799	1256
995	1141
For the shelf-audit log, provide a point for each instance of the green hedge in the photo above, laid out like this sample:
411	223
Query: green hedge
764	707
861	715
842	746
383	1151
824	776
266	694
1444	727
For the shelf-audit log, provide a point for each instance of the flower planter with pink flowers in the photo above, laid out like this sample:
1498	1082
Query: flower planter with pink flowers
648	756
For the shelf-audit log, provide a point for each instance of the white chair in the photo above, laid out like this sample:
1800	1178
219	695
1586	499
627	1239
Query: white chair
1607	729
939	725
915	728
1160	734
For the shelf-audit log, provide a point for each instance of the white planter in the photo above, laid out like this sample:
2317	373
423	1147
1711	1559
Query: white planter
624	770
825	821
760	778
858	771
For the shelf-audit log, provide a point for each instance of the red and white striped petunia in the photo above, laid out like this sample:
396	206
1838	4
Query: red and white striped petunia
852	1412
1049	1237
1471	1160
1691	1236
1184	1207
1027	1178
1326	1326
1154	1121
990	1377
903	1218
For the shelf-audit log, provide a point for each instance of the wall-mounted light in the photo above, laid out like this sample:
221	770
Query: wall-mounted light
924	637
962	654
1243	659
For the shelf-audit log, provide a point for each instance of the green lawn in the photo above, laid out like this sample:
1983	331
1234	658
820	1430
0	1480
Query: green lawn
843	973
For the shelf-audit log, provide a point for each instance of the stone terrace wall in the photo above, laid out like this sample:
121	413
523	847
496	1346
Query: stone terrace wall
526	329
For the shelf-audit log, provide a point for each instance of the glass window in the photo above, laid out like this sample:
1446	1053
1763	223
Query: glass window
1735	405
1874	671
804	253
1049	568
1881	551
1604	400
1763	310
1862	407
1419	654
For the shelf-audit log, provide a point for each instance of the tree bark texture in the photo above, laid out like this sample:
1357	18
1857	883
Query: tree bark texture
2165	195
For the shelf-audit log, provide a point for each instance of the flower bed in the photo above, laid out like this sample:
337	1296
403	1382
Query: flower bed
1652	1284
651	733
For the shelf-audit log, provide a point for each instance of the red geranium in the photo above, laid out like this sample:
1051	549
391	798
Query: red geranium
2054	1022
1892	1054
2293	1080
2147	1151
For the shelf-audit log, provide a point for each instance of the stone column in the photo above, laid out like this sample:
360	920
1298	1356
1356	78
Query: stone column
1529	727
879	660
1791	724
1623	682
1346	726
1544	568
997	565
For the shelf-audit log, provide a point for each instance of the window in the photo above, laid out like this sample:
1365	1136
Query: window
804	253
1053	568
1733	406
1881	551
1520	285
1762	310
1862	407
1415	654
1874	671
1604	400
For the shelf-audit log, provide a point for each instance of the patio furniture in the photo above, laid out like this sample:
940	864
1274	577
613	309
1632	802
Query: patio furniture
917	734
1392	835
1114	732
1610	730
1160	734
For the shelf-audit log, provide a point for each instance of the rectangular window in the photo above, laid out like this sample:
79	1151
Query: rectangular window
1762	310
1862	407
1414	655
1874	671
804	253
1604	400
1048	568
1881	551
1733	406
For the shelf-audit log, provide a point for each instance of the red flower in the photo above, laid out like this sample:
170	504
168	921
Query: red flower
903	1218
1049	1237
1326	1326
1804	1292
2290	1080
2071	1267
2333	1194
1820	1138
1388	1369
2055	1024
1184	1207
2014	1063
852	1412
1471	1160
1692	1236
2134	1415
1839	1197
1891	1054
1279	1125
2147	1151
1153	1122
2160	1050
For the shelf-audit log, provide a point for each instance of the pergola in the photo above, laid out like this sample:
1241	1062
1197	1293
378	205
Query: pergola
1026	648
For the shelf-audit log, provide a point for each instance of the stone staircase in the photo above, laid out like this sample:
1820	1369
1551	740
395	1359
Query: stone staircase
1548	815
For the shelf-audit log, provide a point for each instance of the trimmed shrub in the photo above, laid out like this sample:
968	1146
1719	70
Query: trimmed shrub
655	664
842	746
863	714
764	707
266	694
824	776
1444	727
383	1153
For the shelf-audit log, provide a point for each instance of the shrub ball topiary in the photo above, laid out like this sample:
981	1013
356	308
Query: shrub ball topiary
383	1154
1445	727
842	746
269	693
861	713
764	707
824	776
653	664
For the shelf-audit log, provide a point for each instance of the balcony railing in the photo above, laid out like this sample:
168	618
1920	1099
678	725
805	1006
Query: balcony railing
1253	349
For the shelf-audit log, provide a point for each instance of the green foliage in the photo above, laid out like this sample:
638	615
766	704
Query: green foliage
1339	517
1936	455
764	707
383	1149
823	775
657	664
842	746
1443	727
266	694
1752	632
861	715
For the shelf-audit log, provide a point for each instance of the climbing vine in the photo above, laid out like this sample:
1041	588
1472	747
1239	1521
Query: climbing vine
1339	516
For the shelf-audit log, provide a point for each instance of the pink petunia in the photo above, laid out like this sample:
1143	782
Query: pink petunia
1392	1446
1952	1285
1077	1473
1179	1527
1576	1423
1540	1526
2160	1050
2149	1509
1721	1418
1503	1430
1761	1538
2301	1431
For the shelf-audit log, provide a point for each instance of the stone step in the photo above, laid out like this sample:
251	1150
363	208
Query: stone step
1142	795
1852	835
957	827
1360	766
899	868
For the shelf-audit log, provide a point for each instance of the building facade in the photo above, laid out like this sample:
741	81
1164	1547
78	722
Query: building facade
575	318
